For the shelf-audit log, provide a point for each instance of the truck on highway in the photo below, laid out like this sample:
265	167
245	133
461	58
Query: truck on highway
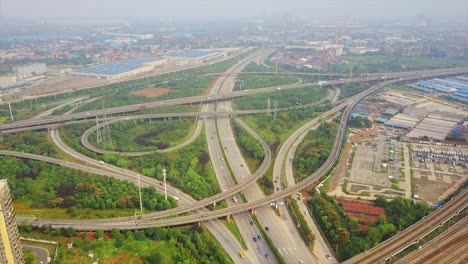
176	198
101	162
234	199
322	82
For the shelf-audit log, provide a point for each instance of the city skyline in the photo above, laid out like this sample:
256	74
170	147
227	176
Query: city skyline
451	10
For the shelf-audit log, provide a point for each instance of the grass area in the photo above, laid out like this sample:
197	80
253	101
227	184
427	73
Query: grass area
254	67
286	98
252	81
379	63
83	213
251	149
257	123
144	135
231	225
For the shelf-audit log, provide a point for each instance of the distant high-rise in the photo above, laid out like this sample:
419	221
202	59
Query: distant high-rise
11	251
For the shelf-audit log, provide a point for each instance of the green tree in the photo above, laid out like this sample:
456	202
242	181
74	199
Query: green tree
99	234
70	232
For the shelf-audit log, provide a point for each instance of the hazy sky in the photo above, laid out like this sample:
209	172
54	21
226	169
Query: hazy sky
231	9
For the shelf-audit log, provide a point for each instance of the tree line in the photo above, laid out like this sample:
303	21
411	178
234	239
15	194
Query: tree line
342	230
49	186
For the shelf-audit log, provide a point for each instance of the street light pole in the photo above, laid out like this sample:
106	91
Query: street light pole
165	186
139	191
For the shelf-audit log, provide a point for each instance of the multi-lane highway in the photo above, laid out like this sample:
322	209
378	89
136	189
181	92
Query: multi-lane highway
218	97
261	202
150	219
215	137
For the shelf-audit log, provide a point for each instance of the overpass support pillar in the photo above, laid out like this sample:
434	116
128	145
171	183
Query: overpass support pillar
252	211
228	218
214	204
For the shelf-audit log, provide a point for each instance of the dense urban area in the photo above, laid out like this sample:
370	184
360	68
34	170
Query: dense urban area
262	141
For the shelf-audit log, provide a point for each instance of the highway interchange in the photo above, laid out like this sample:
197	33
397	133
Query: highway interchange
218	99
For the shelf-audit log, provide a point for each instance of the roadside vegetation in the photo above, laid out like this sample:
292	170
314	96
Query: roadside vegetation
36	186
35	142
252	81
342	231
301	223
251	149
286	98
188	168
350	89
314	149
372	63
360	122
191	244
275	132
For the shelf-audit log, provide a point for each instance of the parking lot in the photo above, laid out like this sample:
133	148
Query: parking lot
437	170
375	169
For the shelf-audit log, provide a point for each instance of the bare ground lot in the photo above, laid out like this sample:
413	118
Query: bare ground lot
151	92
59	84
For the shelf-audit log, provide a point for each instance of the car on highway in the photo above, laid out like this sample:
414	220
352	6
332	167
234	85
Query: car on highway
328	257
241	254
259	237
267	256
251	223
254	239
267	228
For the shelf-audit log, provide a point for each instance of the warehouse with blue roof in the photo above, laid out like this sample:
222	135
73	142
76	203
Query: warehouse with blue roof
120	69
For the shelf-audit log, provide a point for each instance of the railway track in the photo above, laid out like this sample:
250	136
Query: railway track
450	244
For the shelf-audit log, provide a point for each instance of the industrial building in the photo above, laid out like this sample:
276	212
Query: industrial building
455	87
436	125
118	70
11	251
30	70
402	121
196	56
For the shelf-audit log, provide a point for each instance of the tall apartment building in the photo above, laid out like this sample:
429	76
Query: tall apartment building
11	251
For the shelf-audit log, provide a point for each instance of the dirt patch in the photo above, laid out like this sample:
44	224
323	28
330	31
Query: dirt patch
59	85
151	92
364	212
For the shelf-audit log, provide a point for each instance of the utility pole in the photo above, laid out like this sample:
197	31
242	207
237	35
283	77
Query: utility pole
275	105
139	191
11	113
98	132
268	105
164	172
276	70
